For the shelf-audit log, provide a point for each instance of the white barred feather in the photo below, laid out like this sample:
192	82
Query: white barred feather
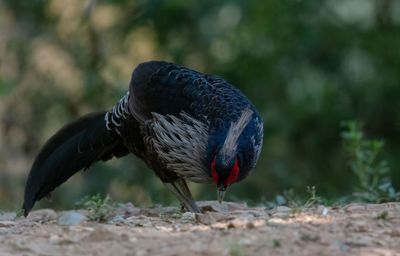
230	145
180	143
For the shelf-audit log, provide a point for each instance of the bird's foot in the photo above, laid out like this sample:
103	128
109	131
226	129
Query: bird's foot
183	194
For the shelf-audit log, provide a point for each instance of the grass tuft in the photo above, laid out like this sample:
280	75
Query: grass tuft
19	213
313	199
276	243
99	208
383	215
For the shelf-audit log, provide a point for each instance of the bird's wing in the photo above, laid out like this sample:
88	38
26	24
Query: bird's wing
158	87
168	89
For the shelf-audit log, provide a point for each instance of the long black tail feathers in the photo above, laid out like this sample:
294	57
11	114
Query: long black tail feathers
74	147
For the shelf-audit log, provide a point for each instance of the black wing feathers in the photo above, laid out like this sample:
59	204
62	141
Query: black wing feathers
168	89
74	147
158	86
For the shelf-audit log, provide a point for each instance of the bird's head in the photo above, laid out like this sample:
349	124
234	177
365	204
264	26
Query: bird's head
237	154
224	173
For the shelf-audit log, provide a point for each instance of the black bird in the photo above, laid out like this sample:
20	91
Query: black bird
185	125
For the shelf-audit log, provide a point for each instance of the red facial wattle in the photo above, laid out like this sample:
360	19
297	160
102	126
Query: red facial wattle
214	172
233	176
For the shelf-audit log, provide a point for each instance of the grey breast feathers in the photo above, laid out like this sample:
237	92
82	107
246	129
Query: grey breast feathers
180	143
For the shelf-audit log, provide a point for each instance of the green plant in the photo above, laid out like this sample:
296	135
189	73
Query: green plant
374	183
276	243
313	200
296	202
292	200
383	215
100	209
19	213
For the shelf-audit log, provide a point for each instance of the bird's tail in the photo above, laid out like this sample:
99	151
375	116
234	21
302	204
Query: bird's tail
74	147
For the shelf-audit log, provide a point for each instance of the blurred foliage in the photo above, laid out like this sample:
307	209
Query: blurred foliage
296	201
19	213
374	185
99	208
307	65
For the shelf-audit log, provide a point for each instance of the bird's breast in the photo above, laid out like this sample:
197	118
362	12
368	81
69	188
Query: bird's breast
180	143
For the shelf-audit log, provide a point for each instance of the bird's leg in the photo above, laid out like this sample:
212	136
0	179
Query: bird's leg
184	188
186	192
186	201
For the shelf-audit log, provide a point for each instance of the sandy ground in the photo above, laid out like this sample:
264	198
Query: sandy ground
227	229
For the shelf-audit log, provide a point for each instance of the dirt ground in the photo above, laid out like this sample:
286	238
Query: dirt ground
227	229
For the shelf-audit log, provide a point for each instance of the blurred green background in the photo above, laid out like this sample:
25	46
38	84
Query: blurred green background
306	65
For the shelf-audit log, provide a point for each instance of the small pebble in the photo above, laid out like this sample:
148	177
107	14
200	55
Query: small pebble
343	247
231	225
249	217
360	241
188	216
71	219
5	231
395	232
358	226
354	208
205	218
283	209
118	220
250	225
6	223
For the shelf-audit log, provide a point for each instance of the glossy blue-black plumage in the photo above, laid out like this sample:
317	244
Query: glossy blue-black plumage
161	96
167	88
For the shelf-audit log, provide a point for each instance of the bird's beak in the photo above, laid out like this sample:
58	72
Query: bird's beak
221	193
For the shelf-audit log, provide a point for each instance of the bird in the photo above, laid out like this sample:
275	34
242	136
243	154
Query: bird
184	124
